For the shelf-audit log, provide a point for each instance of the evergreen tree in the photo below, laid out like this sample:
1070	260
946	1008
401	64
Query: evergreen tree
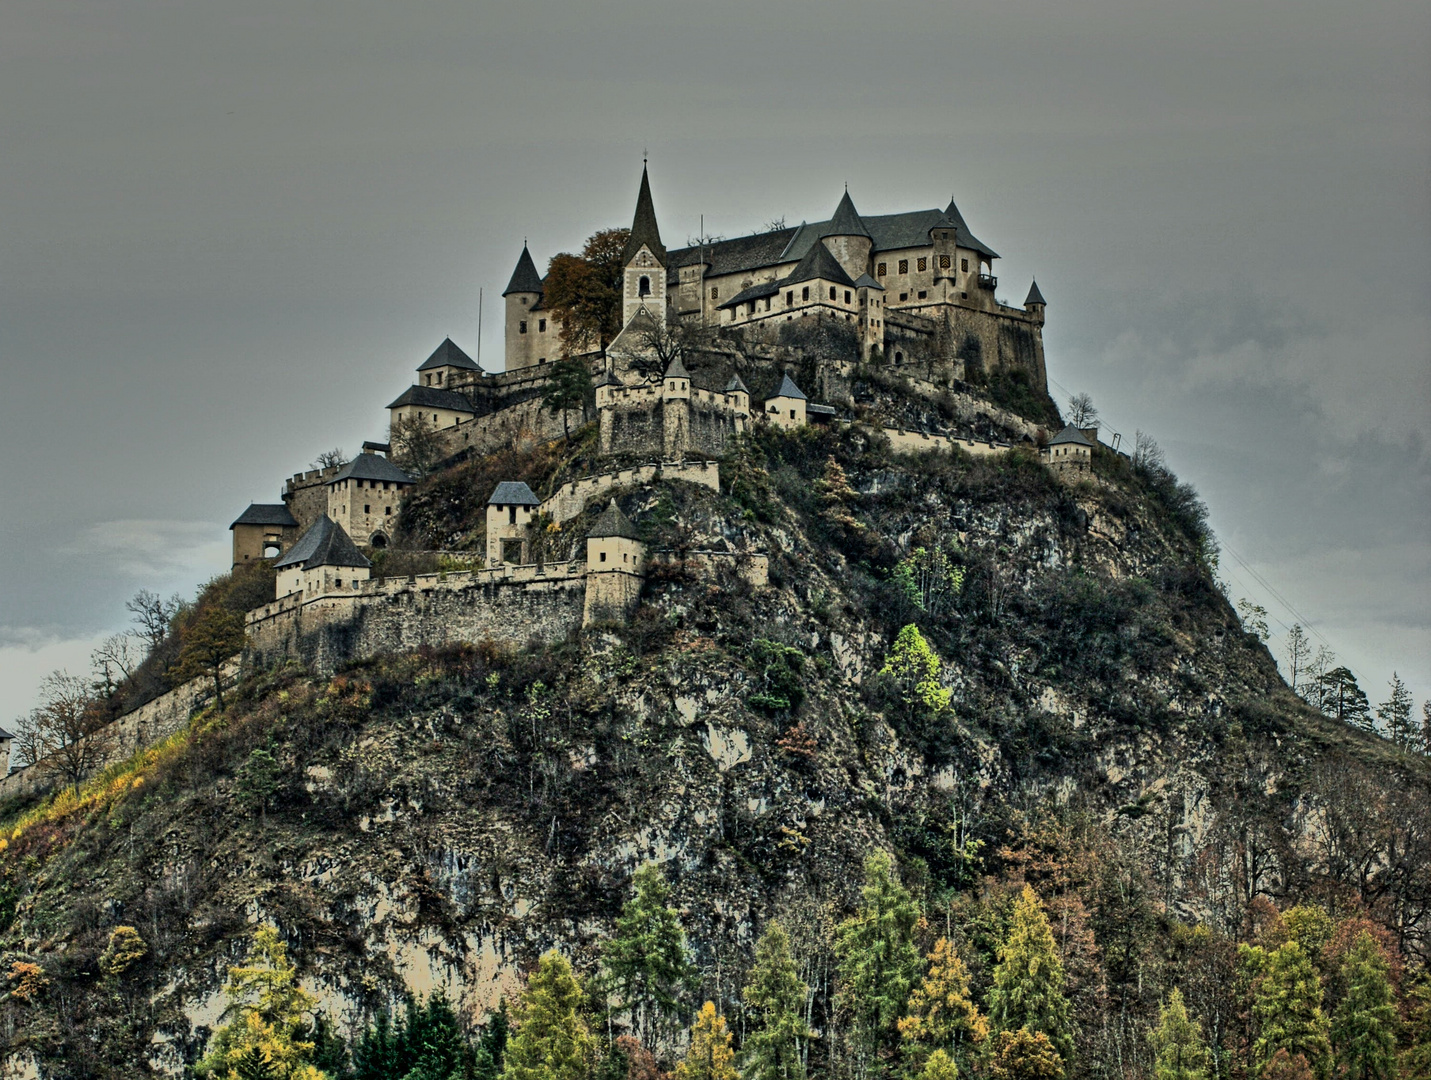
774	998
1026	1055
1028	981
645	962
268	1017
1364	1023
1395	715
492	1046
430	1043
942	1015
566	389
1343	699
207	643
551	1041
709	1056
1416	1057
1177	1043
375	1055
1287	1008
877	961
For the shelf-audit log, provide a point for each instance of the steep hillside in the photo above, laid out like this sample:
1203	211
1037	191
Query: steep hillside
1111	735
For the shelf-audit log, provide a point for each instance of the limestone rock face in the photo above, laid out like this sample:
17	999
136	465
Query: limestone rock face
442	818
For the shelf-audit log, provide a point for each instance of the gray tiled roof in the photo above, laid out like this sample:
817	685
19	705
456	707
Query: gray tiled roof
434	398
735	385
1071	435
965	237
613	522
325	544
5	734
525	278
789	389
819	263
371	467
513	493
1034	296
847	221
643	226
266	514
676	369
755	292
448	355
820	410
864	281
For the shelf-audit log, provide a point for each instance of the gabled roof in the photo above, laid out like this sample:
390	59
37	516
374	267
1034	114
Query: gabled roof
847	220
525	278
513	493
448	355
325	544
735	385
676	369
607	379
5	734
643	226
434	398
371	467
755	292
819	263
864	281
1035	297
1070	435
788	389
613	522
266	514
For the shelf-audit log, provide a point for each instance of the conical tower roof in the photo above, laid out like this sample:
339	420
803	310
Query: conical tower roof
1035	297
819	263
735	385
643	226
965	237
788	389
449	355
676	369
847	220
525	277
613	522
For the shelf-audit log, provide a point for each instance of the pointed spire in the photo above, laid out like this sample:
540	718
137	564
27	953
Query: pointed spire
676	369
643	226
735	386
788	389
613	522
1035	297
965	237
847	220
525	278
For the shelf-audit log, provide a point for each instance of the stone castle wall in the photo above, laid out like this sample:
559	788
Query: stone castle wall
569	500
306	495
646	420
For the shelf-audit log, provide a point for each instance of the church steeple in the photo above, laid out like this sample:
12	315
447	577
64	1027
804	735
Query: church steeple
643	226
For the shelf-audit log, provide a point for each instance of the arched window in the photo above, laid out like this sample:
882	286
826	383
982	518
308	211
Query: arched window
644	288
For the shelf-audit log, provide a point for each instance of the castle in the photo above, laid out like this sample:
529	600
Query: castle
910	292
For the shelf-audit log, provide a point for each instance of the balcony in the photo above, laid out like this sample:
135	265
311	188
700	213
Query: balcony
988	281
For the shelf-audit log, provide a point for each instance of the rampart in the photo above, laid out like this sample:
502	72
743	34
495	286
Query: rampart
570	499
912	442
135	730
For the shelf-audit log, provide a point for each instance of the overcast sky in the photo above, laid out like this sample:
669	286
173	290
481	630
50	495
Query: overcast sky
231	231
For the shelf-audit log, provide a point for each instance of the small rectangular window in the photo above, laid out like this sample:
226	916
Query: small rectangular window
715	292
832	292
922	294
522	327
903	297
847	296
805	293
964	266
767	303
542	326
904	266
790	298
367	508
603	556
387	511
881	269
944	262
923	265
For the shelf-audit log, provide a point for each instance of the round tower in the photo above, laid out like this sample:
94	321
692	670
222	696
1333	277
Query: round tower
848	239
523	297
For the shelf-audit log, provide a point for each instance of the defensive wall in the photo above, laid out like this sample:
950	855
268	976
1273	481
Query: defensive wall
569	500
133	731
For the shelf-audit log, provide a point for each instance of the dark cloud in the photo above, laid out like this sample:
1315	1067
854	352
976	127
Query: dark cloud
231	231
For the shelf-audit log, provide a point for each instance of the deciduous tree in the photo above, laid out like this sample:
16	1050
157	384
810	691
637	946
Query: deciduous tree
942	1014
645	963
1081	411
1028	986
153	615
878	963
1026	1055
1287	1010
709	1057
417	444
916	670
584	291
1299	652
551	1041
213	637
67	734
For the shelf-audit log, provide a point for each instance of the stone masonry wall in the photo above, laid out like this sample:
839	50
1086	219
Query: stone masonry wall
569	500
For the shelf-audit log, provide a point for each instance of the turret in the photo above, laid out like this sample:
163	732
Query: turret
525	328
644	259
739	396
615	568
848	239
677	380
786	409
509	513
1035	303
448	366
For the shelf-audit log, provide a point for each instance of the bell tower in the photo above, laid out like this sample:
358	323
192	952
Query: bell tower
644	259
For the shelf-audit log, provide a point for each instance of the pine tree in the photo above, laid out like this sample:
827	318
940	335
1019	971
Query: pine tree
774	998
709	1056
645	962
1287	1008
1177	1043
877	961
1364	1023
1416	1057
942	1015
551	1041
1395	715
492	1046
375	1055
268	1014
1028	981
1343	699
566	389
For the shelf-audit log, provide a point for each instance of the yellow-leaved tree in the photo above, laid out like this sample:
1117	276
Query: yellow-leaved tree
710	1056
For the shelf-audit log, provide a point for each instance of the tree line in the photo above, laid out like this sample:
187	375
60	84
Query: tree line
1308	997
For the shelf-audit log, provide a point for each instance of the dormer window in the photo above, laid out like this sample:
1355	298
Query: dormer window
644	287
